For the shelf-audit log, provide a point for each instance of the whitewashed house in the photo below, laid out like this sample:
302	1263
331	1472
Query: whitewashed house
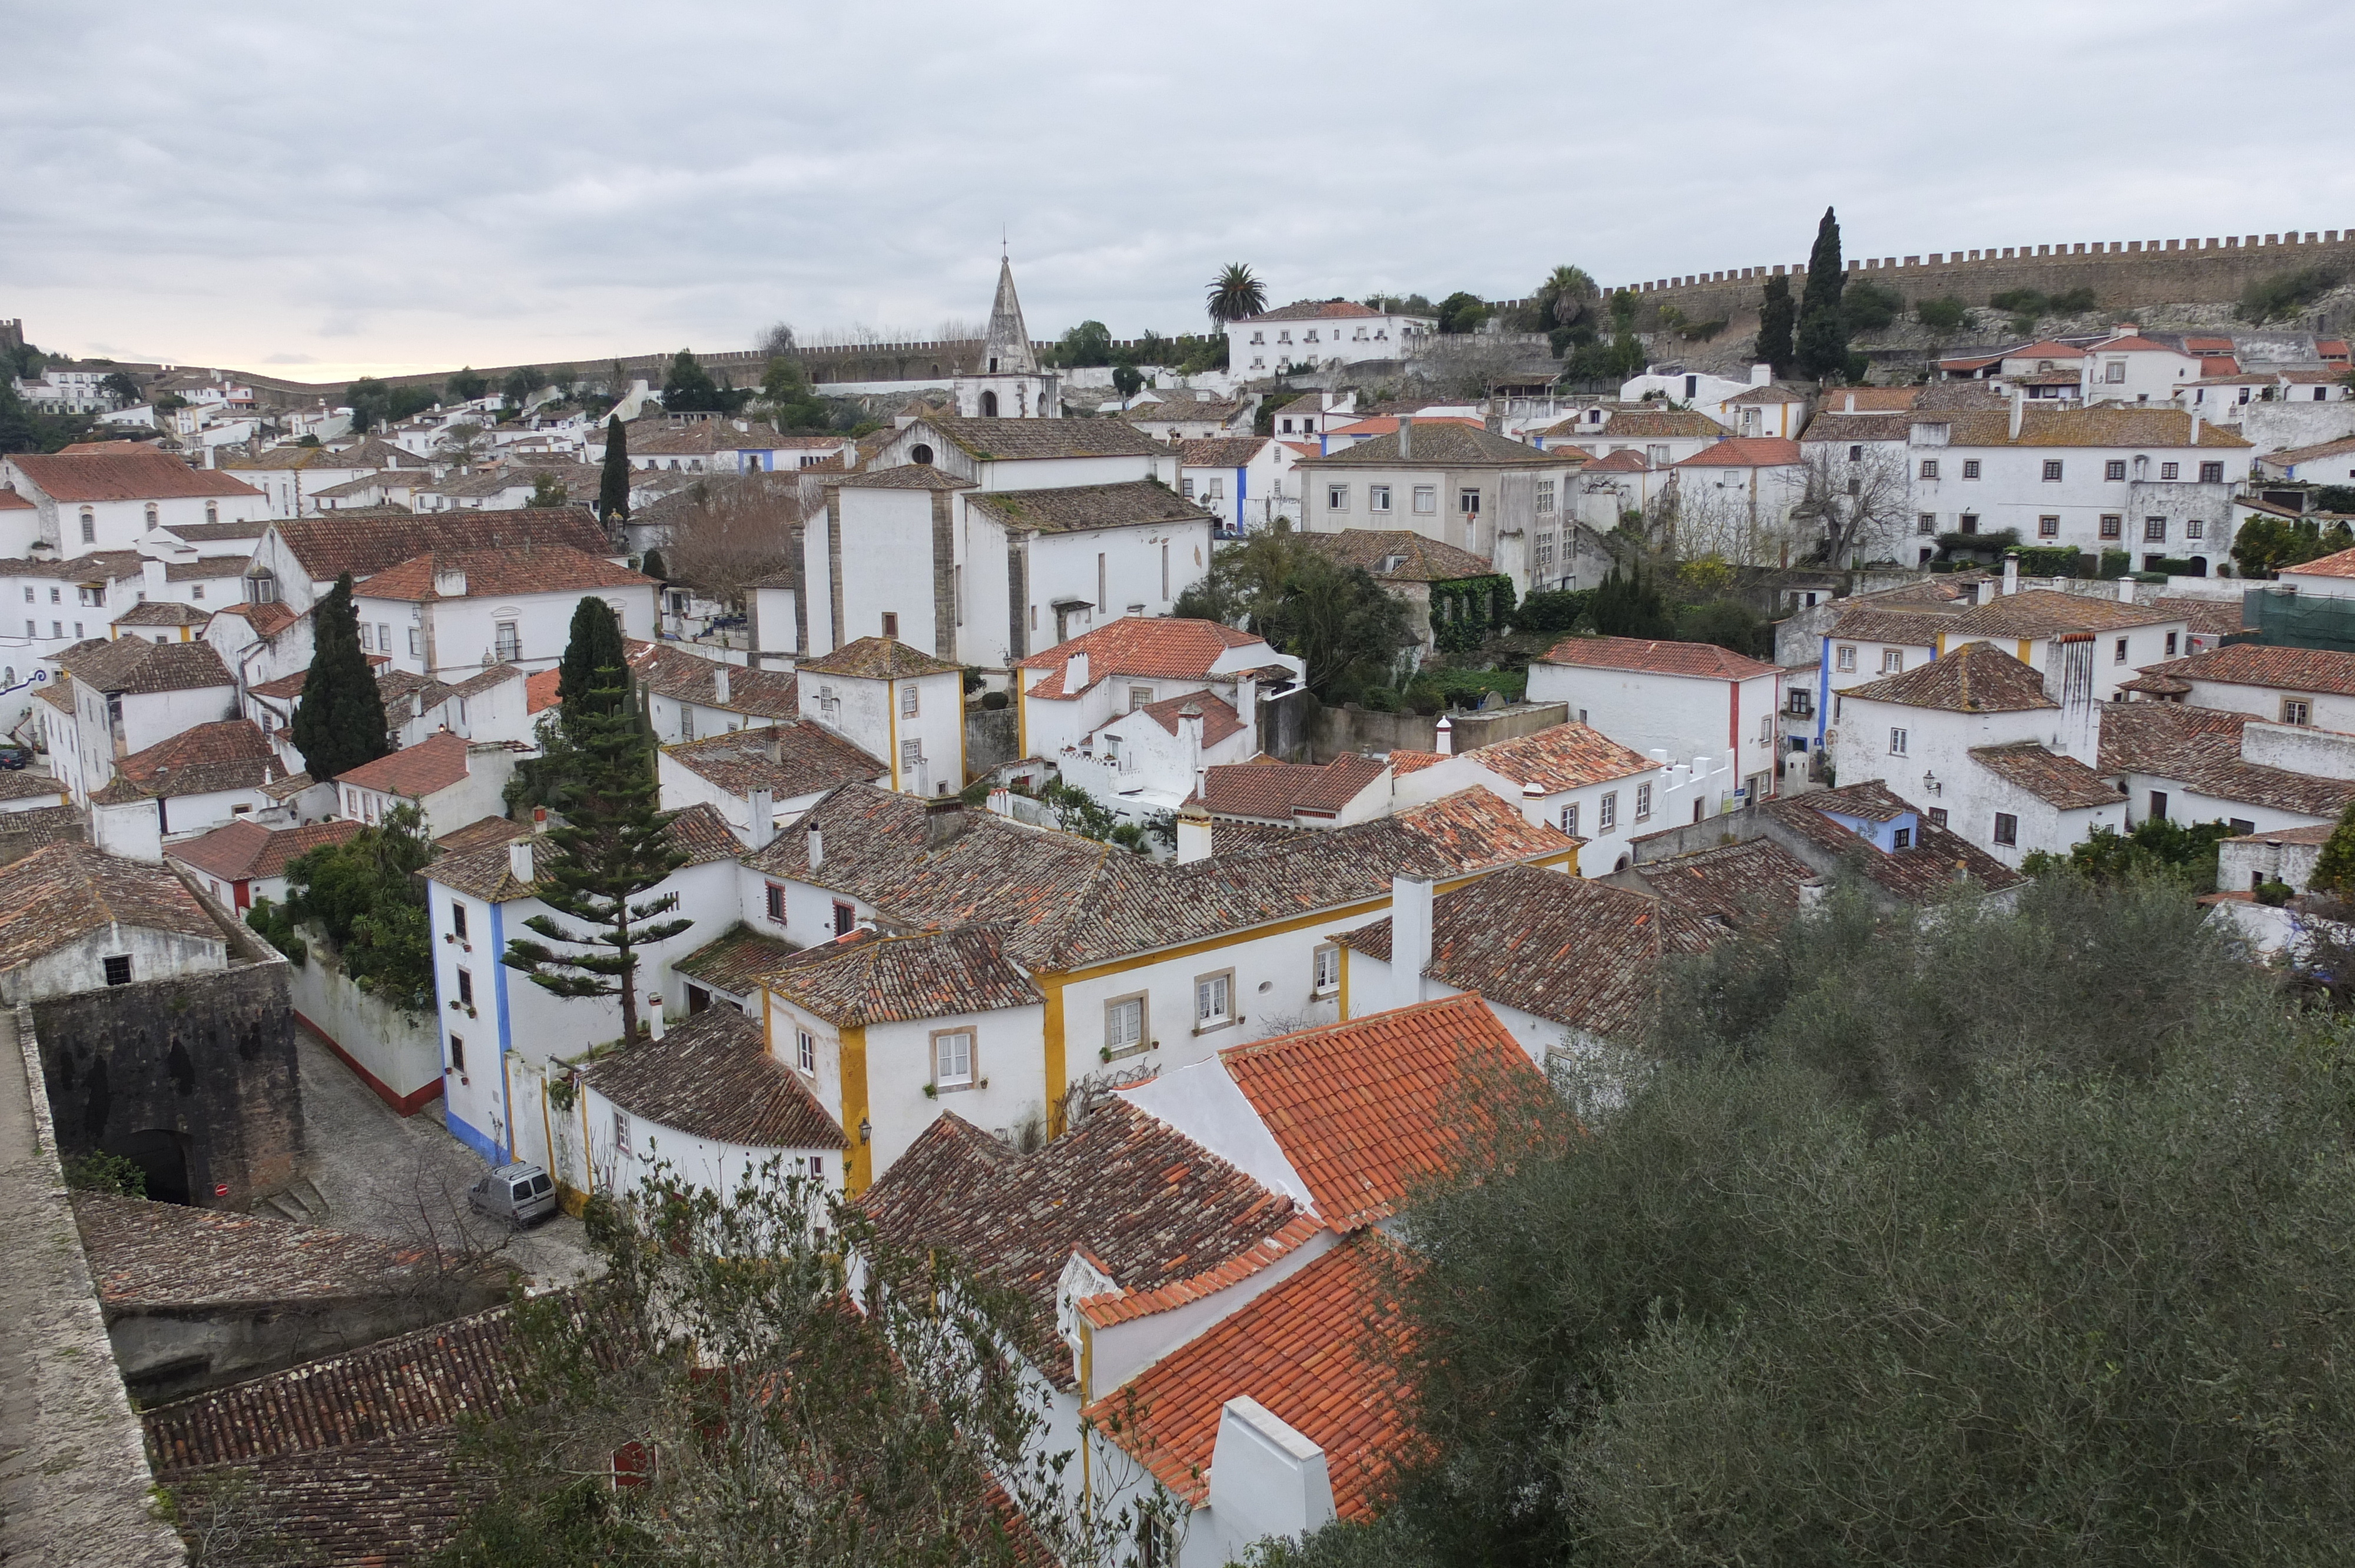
113	498
894	701
1071	690
1310	331
449	614
1568	776
453	780
1685	701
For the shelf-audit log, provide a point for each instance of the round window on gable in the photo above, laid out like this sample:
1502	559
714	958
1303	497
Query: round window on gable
920	454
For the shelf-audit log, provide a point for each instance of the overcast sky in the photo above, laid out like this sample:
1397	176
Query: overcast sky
319	190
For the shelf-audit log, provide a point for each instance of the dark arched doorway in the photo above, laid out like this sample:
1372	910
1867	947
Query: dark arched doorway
989	405
162	1157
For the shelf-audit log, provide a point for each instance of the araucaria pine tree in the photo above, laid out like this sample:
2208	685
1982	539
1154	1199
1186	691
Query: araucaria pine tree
339	721
1823	332
613	845
1776	317
613	484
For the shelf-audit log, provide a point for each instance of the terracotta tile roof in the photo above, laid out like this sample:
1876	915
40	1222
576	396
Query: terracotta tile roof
203	759
334	542
29	786
12	502
2292	456
879	659
1871	399
539	690
1915	627
699	832
1562	757
988	439
1976	678
499	574
127	473
167	1256
163	612
2318	833
1317	310
1388	424
1225	451
400	1386
1075	508
2157	685
1159	647
1302	1351
1064	901
2200	748
136	666
735	961
908	476
1660	424
1365	1109
416	771
395	1500
1831	426
1405	762
1230	836
1776	392
1626	460
483	833
1732	882
2046	612
1219	718
266	620
2060	781
799	757
1746	451
1446	444
1149	1206
1924	872
868	978
244	850
60	894
1277	791
1418	559
663	435
1573	951
1705	660
36	828
2342	564
711	1078
2101	425
691	678
2262	664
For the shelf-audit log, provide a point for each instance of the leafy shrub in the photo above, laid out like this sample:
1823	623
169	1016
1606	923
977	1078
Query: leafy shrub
2020	302
1942	315
2286	293
2052	561
1553	614
1868	306
2072	301
269	921
2335	498
2273	894
2113	565
98	1172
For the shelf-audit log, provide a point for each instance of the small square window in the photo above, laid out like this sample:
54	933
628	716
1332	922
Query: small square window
1929	468
2052	469
891	624
2006	827
1937	816
908	700
2211	473
1124	1025
2170	471
1893	661
118	969
2048	527
2153	530
1214	999
1926	523
2195	528
2114	469
1426	498
2297	710
846	917
1336	498
1845	659
1378	498
1970	468
953	1058
2112	526
1901	838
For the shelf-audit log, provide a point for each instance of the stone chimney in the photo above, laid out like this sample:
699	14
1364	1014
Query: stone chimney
2011	572
816	847
943	820
1406	436
1075	674
1409	937
655	1021
764	819
519	860
1442	740
719	684
1193	835
2016	400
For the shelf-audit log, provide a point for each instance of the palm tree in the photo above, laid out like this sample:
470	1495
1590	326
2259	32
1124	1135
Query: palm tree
1236	295
1564	295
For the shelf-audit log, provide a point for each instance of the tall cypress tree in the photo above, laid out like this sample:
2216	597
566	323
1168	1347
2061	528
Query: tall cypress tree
1822	350
614	845
1776	317
339	722
613	484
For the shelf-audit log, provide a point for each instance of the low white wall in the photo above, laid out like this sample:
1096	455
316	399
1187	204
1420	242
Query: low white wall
397	1054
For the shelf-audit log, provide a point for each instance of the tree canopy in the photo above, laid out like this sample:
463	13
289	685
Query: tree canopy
339	720
688	388
1235	294
1348	629
1822	344
1775	316
466	385
613	479
1462	312
366	896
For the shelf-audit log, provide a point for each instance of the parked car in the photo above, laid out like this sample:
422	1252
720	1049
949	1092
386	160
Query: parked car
14	758
519	1194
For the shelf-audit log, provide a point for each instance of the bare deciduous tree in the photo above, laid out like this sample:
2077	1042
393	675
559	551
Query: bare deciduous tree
728	530
1856	504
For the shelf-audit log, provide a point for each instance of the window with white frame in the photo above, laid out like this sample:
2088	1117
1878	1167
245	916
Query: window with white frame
1214	999
1426	498
509	643
953	1058
2297	710
1893	661
1124	1024
1542	554
1378	498
912	754
1896	743
1844	659
908	700
622	1132
1569	819
1325	969
1606	811
805	1050
1545	496
2115	372
1185	488
2118	656
1336	498
1644	802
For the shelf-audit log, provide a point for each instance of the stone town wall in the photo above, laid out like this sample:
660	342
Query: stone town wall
2124	273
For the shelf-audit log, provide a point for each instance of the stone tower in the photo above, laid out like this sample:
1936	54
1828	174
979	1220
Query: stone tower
1007	383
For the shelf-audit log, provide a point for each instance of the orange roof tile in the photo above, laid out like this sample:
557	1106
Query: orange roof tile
498	574
1161	647
414	771
1307	1350
124	473
1702	659
1365	1109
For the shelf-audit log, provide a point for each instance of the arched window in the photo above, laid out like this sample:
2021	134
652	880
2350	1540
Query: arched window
212	511
151	514
990	399
920	454
89	526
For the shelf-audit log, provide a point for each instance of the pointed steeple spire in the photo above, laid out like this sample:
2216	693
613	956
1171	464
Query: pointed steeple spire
1008	351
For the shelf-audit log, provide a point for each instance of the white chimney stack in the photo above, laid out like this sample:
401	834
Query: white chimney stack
2011	572
1851	404
655	1020
816	847
1267	1478
1194	835
1406	435
2195	427
763	819
1760	374
2125	590
1075	673
719	684
519	860
1409	937
2015	402
1444	736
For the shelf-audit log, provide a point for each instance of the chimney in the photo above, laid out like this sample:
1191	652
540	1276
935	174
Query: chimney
2014	413
1247	701
944	819
1075	674
654	1018
764	819
2195	427
449	582
1266	1477
519	860
152	580
816	847
1761	375
719	684
1001	803
1851	404
1193	835
2125	590
1409	937
1443	739
775	749
2011	572
1406	435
